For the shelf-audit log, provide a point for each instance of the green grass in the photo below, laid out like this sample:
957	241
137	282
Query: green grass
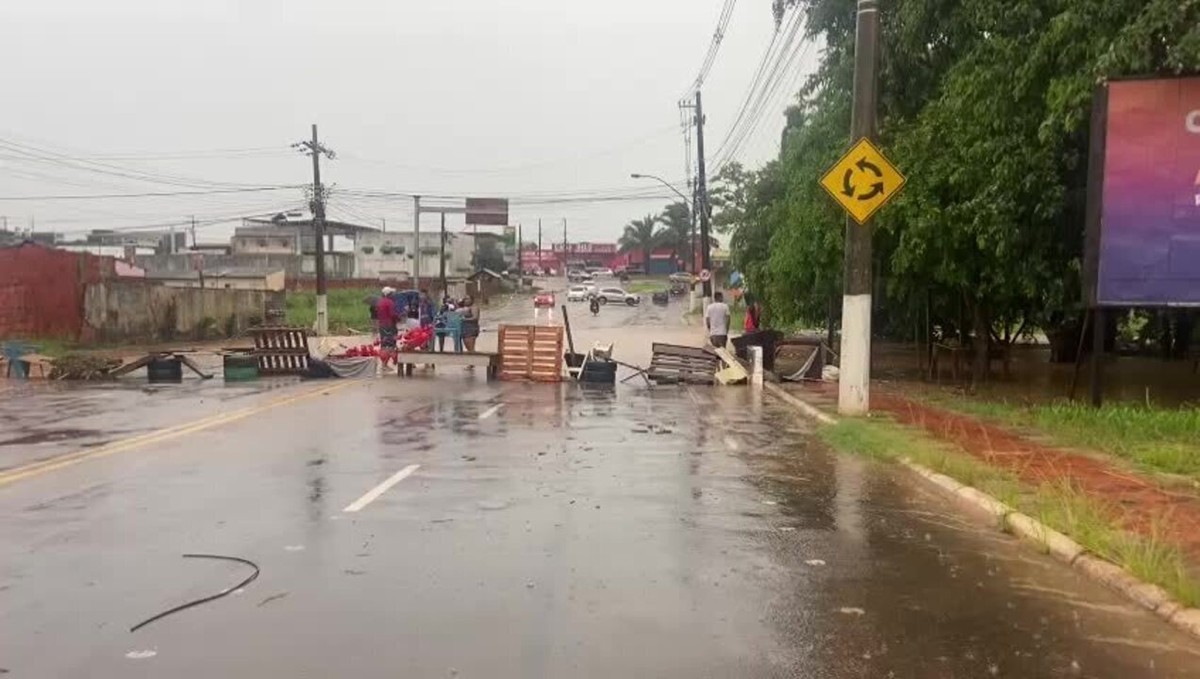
647	286
1164	440
1061	506
347	309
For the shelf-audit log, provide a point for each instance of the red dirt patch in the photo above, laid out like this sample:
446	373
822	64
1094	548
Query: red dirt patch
1136	503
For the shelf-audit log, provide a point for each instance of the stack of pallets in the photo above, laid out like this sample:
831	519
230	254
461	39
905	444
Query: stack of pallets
281	351
675	364
531	352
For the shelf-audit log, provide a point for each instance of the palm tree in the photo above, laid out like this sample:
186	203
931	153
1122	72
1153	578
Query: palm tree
677	229
640	235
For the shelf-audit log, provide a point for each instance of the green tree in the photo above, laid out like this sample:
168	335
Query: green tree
640	235
729	196
489	256
676	231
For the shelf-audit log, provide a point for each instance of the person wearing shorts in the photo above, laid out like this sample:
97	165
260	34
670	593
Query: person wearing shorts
386	317
470	326
716	320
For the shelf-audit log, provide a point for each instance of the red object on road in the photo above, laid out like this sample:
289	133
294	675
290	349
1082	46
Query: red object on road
545	299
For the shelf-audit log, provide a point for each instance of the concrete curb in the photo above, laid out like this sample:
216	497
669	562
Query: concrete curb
800	405
1148	596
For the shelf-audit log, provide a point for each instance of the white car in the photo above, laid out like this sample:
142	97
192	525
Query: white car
618	296
577	293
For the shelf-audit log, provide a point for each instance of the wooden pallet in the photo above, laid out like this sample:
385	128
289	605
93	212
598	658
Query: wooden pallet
281	351
531	352
675	364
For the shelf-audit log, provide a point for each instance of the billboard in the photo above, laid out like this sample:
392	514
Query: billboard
487	211
1144	230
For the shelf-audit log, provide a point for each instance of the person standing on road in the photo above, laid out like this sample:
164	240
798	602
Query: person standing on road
716	320
386	316
470	324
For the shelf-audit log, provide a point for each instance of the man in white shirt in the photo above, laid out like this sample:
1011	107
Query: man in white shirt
716	319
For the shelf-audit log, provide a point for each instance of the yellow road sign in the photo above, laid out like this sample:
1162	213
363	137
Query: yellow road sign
863	181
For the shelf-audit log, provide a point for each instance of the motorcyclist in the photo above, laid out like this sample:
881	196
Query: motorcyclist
594	305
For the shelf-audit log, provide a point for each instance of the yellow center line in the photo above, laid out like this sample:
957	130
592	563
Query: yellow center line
69	459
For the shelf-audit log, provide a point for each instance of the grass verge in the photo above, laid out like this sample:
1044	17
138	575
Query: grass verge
347	309
1062	506
1162	440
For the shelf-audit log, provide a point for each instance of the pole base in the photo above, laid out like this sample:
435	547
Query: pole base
854	373
322	324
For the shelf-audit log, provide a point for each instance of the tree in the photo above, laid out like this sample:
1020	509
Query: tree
729	197
489	256
640	235
676	233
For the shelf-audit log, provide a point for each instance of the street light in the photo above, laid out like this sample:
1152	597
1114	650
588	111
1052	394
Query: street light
692	212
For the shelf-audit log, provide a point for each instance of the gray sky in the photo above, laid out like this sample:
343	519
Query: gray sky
534	100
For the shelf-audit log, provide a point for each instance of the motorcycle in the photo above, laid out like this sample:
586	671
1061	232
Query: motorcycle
594	305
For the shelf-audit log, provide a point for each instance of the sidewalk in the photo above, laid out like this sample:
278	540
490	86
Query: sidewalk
1136	502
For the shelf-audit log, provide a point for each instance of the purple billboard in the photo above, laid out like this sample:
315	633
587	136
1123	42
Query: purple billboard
1148	252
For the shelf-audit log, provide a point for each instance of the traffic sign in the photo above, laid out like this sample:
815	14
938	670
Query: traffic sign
863	181
705	275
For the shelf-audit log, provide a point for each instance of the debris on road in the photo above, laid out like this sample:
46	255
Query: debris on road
82	367
206	599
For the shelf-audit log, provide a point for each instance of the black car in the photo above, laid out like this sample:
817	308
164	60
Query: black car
661	297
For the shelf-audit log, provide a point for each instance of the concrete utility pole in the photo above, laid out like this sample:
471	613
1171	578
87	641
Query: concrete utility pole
520	250
540	243
854	384
702	191
416	253
564	272
193	231
314	148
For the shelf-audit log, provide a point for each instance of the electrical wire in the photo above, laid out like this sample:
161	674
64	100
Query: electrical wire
152	194
714	47
225	592
761	91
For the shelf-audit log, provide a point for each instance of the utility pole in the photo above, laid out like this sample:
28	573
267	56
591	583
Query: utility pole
416	253
540	243
442	256
565	246
314	148
520	253
854	383
193	231
383	220
702	192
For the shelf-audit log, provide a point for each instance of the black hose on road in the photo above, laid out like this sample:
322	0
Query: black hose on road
206	599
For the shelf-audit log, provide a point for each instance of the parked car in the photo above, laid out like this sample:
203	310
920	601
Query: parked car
682	277
579	293
678	289
662	297
617	295
544	299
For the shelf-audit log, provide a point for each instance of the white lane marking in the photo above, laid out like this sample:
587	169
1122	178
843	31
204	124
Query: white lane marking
382	488
491	411
731	443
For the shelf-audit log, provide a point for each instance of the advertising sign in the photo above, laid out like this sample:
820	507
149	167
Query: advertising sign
487	211
1148	251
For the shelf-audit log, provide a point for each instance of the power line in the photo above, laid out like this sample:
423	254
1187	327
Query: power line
761	90
714	47
152	194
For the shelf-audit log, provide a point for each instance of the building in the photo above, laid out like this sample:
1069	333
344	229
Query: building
227	279
265	240
389	255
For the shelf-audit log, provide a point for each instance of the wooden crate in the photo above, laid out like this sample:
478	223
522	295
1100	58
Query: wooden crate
281	351
675	364
531	352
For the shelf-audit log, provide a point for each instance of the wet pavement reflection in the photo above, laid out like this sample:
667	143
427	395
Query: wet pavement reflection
568	532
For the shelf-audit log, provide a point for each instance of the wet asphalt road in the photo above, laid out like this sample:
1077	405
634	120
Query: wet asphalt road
547	532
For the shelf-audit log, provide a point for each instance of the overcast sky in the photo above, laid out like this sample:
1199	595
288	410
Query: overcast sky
535	100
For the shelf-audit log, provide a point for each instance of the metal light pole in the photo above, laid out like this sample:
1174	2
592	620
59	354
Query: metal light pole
691	212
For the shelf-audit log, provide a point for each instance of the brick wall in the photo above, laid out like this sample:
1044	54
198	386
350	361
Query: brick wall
42	289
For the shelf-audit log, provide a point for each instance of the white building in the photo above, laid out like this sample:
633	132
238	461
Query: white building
390	255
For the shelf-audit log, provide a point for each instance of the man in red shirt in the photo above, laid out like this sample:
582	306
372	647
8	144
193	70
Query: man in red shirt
386	316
